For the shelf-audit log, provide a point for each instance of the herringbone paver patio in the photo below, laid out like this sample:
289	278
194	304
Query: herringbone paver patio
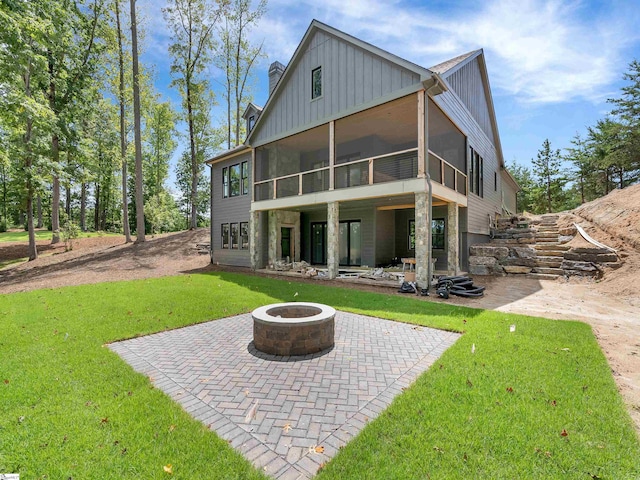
275	410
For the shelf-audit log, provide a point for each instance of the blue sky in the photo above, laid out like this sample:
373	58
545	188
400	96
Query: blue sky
552	64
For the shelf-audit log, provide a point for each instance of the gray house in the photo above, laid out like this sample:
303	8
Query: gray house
359	157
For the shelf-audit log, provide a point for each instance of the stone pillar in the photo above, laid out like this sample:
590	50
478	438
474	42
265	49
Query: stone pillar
453	247
333	239
423	220
254	239
273	237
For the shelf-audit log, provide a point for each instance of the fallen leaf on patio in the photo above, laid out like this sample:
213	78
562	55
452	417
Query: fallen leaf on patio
252	413
287	427
168	469
316	449
564	433
417	328
247	392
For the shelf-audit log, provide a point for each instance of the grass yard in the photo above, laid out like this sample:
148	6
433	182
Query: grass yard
70	408
23	236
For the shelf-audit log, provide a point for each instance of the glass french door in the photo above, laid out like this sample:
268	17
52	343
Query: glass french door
319	243
349	243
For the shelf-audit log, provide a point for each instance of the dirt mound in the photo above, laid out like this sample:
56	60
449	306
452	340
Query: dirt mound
618	214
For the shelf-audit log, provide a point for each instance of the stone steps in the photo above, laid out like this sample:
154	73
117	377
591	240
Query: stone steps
558	247
548	271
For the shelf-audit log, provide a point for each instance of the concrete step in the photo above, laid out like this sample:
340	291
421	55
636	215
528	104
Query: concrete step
548	270
563	248
542	276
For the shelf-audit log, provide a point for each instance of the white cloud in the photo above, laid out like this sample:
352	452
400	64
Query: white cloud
541	51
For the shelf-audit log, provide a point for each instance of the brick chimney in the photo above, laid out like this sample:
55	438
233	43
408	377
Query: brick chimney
276	69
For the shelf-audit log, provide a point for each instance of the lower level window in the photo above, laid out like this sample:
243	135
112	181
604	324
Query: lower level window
244	235
225	235
235	234
437	234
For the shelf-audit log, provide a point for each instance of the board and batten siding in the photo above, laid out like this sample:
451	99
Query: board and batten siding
478	208
468	84
228	210
351	76
510	198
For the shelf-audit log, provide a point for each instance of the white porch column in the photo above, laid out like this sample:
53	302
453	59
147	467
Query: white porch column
333	239
453	248
423	221
254	239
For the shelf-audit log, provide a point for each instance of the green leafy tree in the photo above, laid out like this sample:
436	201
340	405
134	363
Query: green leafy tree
25	113
192	24
627	110
137	128
183	182
550	179
525	197
237	58
73	53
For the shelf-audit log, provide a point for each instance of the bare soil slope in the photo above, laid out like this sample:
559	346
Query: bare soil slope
104	259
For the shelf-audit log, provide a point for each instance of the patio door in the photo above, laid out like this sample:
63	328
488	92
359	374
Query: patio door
350	251
286	243
319	243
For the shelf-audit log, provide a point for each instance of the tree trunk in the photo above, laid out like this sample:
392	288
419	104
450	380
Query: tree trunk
67	206
194	164
39	210
137	131
32	250
621	178
55	157
83	207
96	208
123	139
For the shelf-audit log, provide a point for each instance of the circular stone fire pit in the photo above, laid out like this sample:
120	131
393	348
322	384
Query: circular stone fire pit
296	328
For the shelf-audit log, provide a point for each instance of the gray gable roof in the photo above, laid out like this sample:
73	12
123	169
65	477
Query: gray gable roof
450	64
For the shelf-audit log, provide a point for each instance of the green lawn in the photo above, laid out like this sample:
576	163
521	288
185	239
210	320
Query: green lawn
23	236
70	408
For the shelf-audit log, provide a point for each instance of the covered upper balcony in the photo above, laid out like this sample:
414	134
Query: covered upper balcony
373	153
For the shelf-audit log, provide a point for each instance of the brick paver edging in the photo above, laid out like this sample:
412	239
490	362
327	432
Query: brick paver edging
274	410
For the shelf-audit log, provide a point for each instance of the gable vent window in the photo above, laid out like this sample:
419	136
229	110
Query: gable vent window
252	122
316	83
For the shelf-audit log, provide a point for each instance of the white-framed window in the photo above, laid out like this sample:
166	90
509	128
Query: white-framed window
316	83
